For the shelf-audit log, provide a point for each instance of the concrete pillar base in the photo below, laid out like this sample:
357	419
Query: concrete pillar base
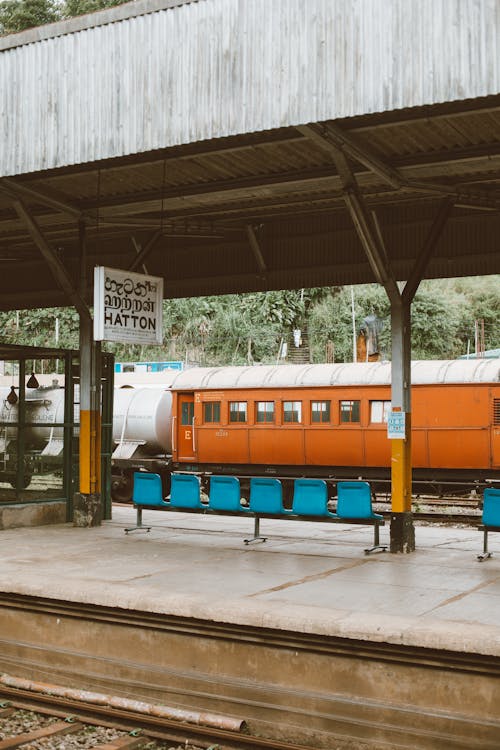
402	532
87	510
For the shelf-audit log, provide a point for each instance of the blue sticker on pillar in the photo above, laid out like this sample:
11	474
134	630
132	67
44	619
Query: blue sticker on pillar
396	425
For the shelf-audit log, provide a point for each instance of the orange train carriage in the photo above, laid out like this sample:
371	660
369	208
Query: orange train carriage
330	420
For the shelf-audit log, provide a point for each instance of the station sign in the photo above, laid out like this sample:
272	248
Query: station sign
128	307
396	425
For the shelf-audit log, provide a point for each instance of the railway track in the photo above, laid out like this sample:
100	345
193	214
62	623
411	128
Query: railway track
448	511
27	719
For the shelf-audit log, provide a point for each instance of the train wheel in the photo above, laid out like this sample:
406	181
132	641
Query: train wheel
122	486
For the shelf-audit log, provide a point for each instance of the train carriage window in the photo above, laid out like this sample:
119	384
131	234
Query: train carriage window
292	411
237	411
349	411
379	411
320	411
265	411
211	411
187	412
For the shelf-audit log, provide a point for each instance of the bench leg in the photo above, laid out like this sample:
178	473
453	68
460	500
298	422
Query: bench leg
485	554
138	524
376	541
256	533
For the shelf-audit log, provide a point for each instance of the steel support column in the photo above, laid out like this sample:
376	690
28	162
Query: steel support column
340	146
88	506
402	529
88	502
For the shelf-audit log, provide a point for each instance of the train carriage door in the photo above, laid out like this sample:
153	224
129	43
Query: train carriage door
495	432
185	429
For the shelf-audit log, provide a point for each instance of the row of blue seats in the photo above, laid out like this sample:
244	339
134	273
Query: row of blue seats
310	500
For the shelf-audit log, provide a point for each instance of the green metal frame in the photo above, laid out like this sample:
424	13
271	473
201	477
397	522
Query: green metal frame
70	465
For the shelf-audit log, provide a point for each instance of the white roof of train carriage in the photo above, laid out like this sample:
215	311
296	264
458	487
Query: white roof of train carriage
303	376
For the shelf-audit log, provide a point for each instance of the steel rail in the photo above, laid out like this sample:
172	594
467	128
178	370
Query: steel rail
157	728
448	518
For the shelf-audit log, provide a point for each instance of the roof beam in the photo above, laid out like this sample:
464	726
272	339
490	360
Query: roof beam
443	111
332	139
369	231
334	274
17	190
427	251
58	270
275	187
365	226
255	247
145	251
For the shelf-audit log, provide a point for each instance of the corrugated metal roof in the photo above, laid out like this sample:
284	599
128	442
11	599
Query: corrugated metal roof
200	198
214	68
348	374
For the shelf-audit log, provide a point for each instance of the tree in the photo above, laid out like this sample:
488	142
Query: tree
434	326
241	329
17	15
72	8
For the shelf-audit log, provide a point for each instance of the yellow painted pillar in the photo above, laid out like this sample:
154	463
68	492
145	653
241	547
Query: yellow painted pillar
88	510
402	530
90	451
401	470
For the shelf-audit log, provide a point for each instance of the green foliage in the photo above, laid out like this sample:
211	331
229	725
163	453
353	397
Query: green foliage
248	328
79	7
435	324
331	319
17	15
39	328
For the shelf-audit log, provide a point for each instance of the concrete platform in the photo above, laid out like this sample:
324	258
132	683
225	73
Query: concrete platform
308	579
312	577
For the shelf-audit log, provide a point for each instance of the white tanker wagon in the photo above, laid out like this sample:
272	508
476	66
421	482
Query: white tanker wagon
43	434
142	419
142	436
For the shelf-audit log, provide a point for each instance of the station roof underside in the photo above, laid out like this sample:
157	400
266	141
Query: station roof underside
266	210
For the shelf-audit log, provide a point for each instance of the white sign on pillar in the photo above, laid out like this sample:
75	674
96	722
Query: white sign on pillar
396	425
128	307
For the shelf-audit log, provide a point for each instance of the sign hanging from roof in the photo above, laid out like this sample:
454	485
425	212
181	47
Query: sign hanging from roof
127	307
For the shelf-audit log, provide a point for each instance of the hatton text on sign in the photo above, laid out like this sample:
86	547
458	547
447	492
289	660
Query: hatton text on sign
127	307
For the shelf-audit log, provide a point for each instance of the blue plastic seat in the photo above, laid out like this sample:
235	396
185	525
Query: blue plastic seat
491	507
265	495
147	492
310	498
225	494
354	503
185	491
354	500
490	519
